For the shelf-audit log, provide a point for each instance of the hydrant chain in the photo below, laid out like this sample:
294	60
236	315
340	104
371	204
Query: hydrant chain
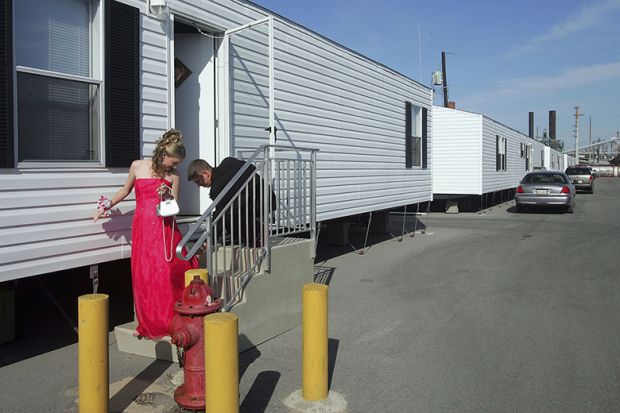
180	356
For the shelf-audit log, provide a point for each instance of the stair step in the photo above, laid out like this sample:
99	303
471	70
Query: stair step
128	343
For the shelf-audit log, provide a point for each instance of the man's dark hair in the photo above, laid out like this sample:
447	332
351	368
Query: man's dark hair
196	168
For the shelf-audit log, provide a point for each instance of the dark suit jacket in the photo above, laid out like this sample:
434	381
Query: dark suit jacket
221	176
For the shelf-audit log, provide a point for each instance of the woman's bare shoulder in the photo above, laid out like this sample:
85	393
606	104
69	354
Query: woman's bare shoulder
141	168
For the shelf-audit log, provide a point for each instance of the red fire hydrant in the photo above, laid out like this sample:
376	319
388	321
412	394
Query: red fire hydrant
187	332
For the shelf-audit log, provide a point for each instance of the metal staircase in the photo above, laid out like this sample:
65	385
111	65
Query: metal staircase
273	197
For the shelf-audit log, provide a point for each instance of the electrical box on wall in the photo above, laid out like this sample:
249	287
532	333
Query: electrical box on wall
437	78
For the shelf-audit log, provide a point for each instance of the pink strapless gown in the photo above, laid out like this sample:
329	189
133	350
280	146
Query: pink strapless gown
157	284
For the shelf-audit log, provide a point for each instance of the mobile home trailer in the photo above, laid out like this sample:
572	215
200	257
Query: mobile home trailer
474	156
554	159
569	160
78	108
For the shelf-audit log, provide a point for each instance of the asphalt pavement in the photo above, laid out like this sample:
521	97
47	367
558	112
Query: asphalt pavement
480	312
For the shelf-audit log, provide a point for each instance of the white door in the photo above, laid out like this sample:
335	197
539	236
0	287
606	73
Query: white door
195	110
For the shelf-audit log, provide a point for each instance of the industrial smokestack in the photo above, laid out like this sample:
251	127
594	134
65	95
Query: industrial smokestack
532	125
552	124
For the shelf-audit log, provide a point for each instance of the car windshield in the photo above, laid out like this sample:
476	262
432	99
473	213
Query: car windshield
578	171
544	179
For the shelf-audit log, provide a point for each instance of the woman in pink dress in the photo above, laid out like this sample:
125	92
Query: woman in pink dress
157	274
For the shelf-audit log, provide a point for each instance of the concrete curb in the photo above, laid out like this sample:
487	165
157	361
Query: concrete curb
335	403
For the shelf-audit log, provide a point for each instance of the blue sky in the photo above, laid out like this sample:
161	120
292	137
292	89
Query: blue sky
504	59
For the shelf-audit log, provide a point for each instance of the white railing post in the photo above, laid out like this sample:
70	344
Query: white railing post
313	194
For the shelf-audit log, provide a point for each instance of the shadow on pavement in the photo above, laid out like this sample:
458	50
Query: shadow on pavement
258	397
552	210
323	275
358	243
125	396
332	355
247	357
46	308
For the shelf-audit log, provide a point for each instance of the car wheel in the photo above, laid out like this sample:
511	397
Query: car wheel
520	208
570	209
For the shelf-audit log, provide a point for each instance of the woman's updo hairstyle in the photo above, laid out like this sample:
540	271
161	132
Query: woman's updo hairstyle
169	144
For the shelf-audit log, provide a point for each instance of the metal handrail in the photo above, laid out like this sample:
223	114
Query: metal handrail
243	231
207	214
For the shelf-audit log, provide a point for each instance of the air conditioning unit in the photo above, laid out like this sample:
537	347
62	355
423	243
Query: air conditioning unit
437	78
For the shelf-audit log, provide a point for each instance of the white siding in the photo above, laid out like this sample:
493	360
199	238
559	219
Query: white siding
537	153
554	160
457	138
465	153
327	97
46	220
493	180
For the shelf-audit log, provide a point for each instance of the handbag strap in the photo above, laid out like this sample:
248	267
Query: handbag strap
163	233
163	227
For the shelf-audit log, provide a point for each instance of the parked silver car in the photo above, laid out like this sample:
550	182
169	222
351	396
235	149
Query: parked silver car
545	188
582	177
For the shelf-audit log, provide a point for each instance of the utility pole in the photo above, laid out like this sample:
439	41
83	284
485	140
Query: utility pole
590	141
420	51
445	79
577	133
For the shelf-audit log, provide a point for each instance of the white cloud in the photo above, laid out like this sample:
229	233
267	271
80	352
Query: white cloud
545	85
588	16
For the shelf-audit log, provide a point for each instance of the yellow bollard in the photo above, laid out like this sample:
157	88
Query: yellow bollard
221	363
314	342
93	368
202	272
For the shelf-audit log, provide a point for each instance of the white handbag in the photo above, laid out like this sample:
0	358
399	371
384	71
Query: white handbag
166	207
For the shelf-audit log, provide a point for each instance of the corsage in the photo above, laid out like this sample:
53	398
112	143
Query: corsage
103	206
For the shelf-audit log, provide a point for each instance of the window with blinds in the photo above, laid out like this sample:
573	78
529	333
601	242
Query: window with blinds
501	146
59	80
413	135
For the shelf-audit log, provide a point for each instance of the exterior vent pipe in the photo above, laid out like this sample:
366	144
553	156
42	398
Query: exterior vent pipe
532	125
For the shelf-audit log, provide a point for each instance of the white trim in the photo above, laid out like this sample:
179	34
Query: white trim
272	123
481	145
226	107
64	164
222	90
57	75
172	104
248	25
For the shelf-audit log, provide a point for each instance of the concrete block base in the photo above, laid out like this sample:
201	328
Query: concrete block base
452	207
270	306
272	301
334	403
128	343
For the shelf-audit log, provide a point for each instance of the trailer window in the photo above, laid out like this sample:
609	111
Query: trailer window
413	135
527	152
59	80
501	145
